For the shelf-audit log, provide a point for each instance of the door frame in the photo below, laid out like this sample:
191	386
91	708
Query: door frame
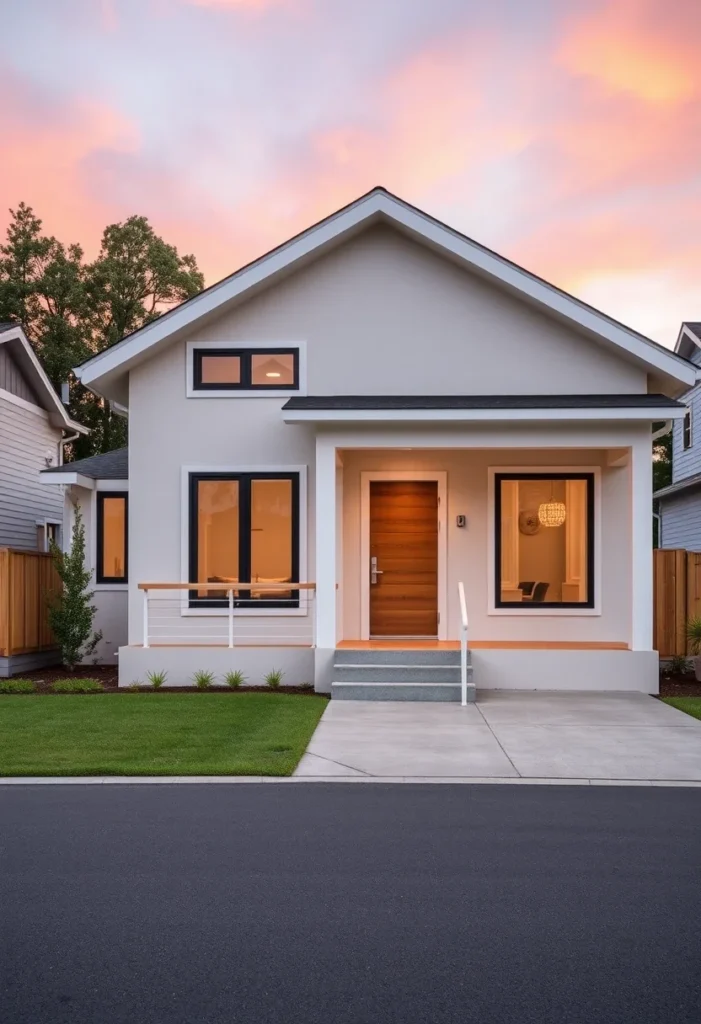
441	478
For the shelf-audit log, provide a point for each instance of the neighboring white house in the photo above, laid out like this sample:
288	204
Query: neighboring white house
324	445
680	502
34	426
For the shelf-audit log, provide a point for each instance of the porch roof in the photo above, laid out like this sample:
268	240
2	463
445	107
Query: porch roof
324	408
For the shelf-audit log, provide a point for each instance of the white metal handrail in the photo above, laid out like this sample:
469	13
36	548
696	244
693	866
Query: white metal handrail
168	615
463	644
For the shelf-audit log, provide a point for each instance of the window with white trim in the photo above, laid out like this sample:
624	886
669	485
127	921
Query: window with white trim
245	369
687	440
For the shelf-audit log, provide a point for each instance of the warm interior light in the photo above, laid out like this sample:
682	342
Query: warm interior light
552	513
272	374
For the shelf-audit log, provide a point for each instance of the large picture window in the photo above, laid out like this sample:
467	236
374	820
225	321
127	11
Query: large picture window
240	369
112	553
544	539
244	528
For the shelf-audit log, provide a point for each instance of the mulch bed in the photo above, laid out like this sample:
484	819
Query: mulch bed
679	686
107	675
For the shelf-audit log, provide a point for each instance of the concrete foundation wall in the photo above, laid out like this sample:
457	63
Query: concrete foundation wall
16	664
181	663
566	670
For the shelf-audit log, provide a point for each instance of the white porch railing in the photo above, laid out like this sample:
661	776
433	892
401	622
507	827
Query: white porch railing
247	614
463	644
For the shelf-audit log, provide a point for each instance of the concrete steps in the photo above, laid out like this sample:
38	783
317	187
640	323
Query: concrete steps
407	675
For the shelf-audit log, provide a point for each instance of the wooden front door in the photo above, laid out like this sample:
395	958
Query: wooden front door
404	542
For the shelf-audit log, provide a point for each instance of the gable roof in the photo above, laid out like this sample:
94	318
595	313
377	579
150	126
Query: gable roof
689	340
16	340
105	372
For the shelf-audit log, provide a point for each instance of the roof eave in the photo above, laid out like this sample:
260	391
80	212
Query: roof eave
442	416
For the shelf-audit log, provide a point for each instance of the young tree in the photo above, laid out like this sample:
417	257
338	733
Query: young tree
71	612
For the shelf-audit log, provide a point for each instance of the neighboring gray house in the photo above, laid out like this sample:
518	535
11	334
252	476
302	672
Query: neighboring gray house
376	443
34	426
680	502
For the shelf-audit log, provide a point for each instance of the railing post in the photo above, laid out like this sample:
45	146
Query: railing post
145	618
312	603
463	665
231	618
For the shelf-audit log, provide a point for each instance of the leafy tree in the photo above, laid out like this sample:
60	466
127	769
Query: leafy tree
71	310
71	612
135	278
661	474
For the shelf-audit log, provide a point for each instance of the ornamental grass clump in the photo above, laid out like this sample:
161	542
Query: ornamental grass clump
203	679
235	679
274	678
157	679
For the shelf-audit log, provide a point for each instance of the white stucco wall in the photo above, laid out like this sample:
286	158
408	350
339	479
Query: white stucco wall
383	316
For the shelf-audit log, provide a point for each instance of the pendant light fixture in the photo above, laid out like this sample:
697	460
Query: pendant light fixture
552	513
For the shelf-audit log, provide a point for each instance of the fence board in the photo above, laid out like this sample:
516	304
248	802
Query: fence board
26	577
677	598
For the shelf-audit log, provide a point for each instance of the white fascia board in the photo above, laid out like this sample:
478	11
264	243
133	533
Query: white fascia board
380	203
479	415
214	297
57	411
74	479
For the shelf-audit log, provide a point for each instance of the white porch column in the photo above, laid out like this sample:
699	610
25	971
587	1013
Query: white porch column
641	543
325	529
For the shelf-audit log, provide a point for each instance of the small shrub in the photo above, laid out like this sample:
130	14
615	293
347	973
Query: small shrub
306	686
203	679
274	678
678	665
135	687
77	686
235	679
17	686
157	679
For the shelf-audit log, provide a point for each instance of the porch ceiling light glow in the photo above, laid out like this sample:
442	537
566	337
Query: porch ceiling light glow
552	513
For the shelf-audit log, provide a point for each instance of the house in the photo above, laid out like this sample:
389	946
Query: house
680	502
99	486
332	446
34	427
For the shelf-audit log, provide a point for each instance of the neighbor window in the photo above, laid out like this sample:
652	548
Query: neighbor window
111	537
687	429
244	528
544	540
239	369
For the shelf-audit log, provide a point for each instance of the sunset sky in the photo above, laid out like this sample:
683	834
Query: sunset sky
566	134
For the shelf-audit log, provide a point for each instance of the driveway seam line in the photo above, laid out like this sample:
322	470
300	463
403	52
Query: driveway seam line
339	763
498	741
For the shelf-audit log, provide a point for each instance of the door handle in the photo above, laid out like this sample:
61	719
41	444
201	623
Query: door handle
374	571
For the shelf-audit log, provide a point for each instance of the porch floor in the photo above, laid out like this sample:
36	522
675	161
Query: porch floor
494	645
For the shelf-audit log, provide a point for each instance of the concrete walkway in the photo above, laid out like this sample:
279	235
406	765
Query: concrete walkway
508	735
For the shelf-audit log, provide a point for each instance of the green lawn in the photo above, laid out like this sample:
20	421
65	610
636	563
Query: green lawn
156	734
690	705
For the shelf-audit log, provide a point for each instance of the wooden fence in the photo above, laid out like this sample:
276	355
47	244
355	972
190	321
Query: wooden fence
677	598
25	579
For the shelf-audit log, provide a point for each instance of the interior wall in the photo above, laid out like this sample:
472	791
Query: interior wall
468	547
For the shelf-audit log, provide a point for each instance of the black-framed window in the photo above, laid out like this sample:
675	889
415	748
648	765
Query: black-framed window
544	540
112	537
246	369
686	429
244	528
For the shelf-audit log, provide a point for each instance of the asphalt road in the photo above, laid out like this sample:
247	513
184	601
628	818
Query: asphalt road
349	903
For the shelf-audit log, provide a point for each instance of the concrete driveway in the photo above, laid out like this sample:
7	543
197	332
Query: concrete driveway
507	735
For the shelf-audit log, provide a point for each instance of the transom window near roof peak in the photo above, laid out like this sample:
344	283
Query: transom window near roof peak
245	369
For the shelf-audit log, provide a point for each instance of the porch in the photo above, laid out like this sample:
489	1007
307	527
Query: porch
432	561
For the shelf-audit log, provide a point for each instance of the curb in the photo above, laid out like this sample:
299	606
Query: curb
229	780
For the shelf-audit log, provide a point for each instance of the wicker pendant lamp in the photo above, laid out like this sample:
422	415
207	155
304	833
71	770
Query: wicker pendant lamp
552	513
